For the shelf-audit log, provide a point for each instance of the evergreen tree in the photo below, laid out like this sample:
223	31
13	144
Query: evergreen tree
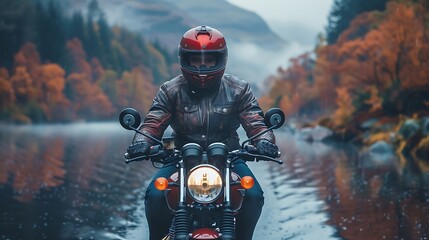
92	44
105	36
77	27
15	28
52	33
344	11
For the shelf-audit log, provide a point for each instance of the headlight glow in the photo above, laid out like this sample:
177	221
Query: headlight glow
204	184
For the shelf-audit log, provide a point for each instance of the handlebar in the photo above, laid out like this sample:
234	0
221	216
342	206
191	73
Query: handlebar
159	155
156	154
250	155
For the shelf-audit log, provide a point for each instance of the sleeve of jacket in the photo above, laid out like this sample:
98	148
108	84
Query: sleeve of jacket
251	116
158	118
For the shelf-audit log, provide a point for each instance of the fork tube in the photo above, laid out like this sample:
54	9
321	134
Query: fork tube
181	219
182	195
227	225
227	183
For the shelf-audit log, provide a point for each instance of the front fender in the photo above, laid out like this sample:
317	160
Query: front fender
205	233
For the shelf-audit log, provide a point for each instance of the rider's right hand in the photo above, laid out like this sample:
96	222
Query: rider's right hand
138	149
267	148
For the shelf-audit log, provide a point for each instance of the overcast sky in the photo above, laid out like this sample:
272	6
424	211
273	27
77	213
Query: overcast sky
297	21
293	20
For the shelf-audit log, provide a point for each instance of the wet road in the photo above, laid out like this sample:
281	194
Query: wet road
69	182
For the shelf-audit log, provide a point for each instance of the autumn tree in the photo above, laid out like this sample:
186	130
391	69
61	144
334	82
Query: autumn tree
7	94
56	106
292	89
57	66
135	89
77	58
39	88
29	58
345	110
386	63
27	69
88	98
23	85
343	12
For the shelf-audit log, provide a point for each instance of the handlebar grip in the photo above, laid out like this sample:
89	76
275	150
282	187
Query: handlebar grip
251	149
154	149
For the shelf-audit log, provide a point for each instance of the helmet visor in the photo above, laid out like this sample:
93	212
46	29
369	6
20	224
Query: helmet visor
203	61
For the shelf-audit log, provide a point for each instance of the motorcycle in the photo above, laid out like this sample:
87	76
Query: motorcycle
204	194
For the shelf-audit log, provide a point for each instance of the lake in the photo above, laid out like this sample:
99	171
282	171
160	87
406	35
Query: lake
70	182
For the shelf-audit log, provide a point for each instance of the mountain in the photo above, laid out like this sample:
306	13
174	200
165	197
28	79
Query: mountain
254	49
166	20
235	23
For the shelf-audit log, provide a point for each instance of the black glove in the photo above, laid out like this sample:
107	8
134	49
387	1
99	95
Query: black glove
138	149
267	148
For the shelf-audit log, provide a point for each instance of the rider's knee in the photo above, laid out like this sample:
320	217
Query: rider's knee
254	197
154	195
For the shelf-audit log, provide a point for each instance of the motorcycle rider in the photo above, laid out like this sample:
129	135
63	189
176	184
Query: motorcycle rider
204	105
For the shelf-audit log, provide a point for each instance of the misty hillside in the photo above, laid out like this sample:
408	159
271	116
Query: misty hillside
236	23
167	20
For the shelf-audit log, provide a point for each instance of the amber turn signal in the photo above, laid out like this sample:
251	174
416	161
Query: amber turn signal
247	182
161	183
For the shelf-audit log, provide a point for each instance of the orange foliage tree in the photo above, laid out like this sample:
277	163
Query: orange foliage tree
378	66
291	88
345	108
38	89
88	98
7	95
56	106
77	57
135	89
43	92
381	60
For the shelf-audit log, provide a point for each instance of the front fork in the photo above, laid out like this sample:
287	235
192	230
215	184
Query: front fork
181	221
227	221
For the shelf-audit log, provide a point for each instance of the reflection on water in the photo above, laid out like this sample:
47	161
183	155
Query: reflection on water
70	182
364	196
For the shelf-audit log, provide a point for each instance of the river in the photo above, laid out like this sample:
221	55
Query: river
70	182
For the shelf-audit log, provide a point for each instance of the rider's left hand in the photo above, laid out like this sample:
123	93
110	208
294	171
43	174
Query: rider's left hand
138	148
267	148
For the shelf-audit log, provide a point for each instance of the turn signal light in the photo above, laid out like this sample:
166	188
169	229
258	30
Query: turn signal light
161	183
247	182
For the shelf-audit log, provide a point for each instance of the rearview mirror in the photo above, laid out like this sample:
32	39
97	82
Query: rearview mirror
274	118
129	119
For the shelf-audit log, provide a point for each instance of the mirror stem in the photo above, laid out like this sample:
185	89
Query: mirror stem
147	135
257	135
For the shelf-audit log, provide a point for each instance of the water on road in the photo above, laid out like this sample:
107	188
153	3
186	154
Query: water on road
70	182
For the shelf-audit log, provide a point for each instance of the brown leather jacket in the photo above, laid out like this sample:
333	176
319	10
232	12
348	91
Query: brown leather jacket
206	119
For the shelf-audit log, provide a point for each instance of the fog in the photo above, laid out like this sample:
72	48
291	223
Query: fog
254	64
299	23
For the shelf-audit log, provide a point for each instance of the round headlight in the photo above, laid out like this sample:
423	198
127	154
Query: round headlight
204	184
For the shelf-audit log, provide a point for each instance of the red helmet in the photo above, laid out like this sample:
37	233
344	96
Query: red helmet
202	56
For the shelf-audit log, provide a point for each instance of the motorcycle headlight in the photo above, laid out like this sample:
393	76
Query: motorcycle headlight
204	184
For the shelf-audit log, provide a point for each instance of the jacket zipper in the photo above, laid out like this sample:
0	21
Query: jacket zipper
208	121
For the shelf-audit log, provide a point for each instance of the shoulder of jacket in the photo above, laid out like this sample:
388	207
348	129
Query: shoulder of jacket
173	84
235	81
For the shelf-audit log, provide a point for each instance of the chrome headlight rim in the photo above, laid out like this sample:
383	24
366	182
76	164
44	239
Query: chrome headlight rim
222	183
